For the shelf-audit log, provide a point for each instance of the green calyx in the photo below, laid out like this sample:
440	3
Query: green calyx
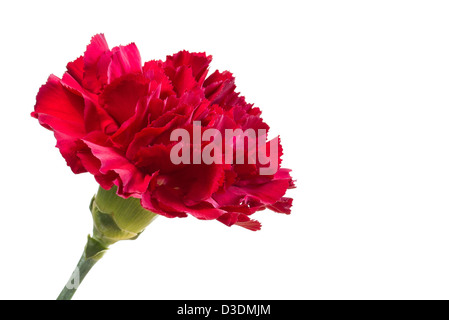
116	218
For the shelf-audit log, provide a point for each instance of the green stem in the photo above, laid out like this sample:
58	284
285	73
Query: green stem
93	251
83	267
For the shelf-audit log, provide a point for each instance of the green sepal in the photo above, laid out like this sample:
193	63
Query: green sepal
106	228
94	249
116	218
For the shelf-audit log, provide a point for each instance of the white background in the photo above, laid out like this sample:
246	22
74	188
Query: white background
358	91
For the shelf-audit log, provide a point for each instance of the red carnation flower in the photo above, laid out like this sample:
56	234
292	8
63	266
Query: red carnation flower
113	117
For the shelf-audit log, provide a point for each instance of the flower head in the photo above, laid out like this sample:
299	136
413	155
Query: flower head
114	117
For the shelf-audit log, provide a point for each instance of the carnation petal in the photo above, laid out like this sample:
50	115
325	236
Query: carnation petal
183	80
60	107
120	98
171	201
69	148
239	219
124	60
199	180
60	110
95	117
95	72
198	62
133	181
282	206
153	70
269	192
76	69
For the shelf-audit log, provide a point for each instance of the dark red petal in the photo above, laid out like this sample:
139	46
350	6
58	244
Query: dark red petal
282	206
170	200
198	62
248	223
120	98
93	165
95	117
218	85
95	73
76	69
69	148
59	108
268	193
285	174
143	139
228	197
155	206
238	209
88	160
124	60
155	158
218	77
108	180
242	220
198	181
183	80
134	182
133	125
153	70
